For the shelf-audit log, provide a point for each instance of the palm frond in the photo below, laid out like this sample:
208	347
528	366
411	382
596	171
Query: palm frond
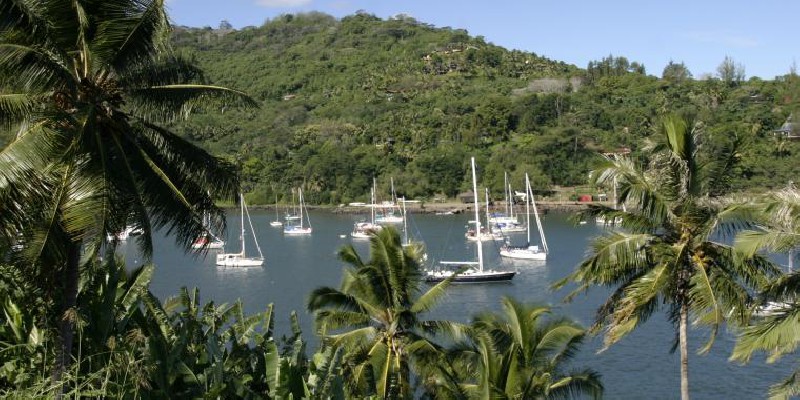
779	240
22	16
639	299
169	69
35	68
132	33
332	320
775	334
577	384
170	102
614	257
430	299
14	108
789	388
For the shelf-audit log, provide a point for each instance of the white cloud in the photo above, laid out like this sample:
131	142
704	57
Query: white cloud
282	3
722	38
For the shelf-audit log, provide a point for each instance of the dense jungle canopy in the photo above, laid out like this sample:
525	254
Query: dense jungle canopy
346	100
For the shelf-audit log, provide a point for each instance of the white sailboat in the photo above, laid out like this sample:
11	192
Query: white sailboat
506	222
277	222
509	223
486	233
240	259
292	214
474	272
528	252
300	229
125	233
207	240
365	230
387	214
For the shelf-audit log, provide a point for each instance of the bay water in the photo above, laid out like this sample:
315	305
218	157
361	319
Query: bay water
640	366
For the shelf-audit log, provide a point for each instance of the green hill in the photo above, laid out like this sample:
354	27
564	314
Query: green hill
345	100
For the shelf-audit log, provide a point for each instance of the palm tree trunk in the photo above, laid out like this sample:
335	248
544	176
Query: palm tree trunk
684	351
67	323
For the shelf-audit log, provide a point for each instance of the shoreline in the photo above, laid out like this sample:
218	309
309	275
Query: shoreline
440	208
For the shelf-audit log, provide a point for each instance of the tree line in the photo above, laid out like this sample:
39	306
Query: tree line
346	100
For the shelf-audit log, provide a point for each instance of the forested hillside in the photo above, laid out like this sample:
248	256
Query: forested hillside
346	100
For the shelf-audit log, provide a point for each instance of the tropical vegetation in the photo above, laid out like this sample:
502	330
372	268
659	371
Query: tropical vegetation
85	87
375	317
775	333
93	100
345	100
519	353
670	254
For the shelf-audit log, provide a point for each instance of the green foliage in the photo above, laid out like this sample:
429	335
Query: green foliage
376	318
347	100
665	258
518	353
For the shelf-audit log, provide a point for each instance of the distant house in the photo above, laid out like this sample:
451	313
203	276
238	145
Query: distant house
288	97
466	197
788	130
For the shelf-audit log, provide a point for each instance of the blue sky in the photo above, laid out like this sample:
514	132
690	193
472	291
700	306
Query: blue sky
760	35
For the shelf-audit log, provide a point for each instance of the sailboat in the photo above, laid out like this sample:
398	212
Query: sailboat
508	217
277	221
365	230
300	229
207	240
240	259
509	223
601	220
486	233
292	215
387	214
474	272
528	252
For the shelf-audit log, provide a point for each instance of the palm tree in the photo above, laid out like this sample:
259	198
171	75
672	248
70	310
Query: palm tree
377	310
776	332
666	255
85	84
519	354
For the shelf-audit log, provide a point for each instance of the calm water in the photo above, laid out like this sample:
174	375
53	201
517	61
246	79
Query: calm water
639	367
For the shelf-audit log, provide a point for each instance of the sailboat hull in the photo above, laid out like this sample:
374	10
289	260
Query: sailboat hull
471	276
213	245
296	230
523	253
238	260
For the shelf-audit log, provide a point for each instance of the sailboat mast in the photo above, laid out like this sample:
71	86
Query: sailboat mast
527	208
241	200
301	207
488	225
506	189
372	202
477	216
538	220
405	224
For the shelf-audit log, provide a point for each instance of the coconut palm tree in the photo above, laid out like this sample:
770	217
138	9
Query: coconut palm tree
776	332
375	317
667	256
519	353
86	85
